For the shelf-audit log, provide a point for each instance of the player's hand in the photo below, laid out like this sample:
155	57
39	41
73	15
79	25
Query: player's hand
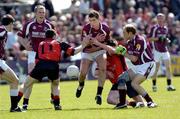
28	46
85	42
100	37
120	50
162	38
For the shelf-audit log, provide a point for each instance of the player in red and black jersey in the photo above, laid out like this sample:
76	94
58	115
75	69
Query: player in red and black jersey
116	65
49	55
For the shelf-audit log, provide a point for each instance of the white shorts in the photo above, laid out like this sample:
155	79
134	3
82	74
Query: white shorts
93	56
146	69
159	56
3	65
31	57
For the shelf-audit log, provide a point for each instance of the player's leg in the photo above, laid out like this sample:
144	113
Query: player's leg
36	75
31	65
55	92
157	57
53	75
28	85
101	64
170	87
137	99
8	74
52	96
154	87
113	96
122	89
84	67
136	85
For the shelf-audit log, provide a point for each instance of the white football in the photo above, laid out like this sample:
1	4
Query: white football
72	71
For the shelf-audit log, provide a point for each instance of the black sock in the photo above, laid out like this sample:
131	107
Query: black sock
122	96
147	98
99	90
154	82
13	102
20	94
168	82
81	84
25	101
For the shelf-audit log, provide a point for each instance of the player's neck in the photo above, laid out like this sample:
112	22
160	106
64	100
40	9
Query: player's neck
39	21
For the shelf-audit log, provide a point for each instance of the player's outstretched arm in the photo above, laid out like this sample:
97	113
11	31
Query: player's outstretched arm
25	43
84	43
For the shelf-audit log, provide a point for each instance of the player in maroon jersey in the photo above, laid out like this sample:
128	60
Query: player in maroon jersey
49	56
93	52
6	72
159	40
32	34
140	55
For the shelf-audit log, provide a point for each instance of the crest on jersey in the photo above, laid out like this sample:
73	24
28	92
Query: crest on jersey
138	47
34	27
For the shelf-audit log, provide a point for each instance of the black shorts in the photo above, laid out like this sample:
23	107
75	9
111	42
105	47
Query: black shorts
130	90
45	68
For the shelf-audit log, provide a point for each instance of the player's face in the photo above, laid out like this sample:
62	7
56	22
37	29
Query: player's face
125	34
10	27
160	19
94	22
40	14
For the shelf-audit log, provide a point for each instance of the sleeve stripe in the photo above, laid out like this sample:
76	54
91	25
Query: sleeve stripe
2	33
28	27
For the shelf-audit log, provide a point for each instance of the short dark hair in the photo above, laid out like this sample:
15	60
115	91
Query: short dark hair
130	28
94	13
7	19
50	33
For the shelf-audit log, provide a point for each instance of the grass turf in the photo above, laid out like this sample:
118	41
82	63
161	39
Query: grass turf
85	106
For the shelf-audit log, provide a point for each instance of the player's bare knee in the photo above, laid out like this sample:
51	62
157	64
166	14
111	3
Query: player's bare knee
55	82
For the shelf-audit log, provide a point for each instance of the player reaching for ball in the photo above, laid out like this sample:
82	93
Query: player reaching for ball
49	55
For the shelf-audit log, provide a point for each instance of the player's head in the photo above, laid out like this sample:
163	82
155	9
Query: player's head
94	19
160	18
7	20
50	33
129	30
40	12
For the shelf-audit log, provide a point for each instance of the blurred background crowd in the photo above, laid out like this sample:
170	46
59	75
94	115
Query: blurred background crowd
69	22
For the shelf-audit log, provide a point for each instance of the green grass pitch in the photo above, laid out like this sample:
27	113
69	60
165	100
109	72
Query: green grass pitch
85	106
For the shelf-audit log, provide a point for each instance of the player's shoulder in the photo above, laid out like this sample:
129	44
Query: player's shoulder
105	27
87	26
140	39
2	28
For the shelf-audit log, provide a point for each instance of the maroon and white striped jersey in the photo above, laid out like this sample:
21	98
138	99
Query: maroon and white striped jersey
35	32
103	29
156	32
3	39
138	47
